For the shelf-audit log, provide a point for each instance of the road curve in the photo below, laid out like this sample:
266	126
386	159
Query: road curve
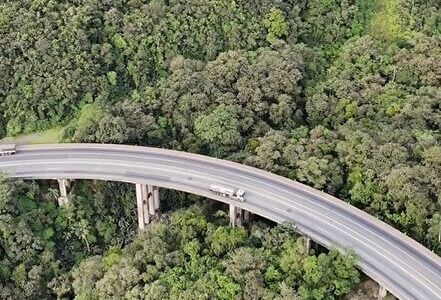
407	269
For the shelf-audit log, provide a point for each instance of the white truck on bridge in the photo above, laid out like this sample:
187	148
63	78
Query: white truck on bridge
228	192
7	149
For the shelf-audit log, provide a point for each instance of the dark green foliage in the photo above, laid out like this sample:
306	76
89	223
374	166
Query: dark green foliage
385	109
318	270
423	16
238	95
39	241
126	122
55	55
51	252
343	95
219	127
330	22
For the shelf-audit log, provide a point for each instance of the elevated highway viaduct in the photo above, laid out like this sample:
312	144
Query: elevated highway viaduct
399	264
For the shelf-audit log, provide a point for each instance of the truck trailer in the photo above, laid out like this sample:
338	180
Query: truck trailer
7	149
228	192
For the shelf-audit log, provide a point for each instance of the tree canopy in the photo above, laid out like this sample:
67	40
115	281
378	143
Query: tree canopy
342	95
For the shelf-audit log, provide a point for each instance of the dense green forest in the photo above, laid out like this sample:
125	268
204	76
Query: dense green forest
342	95
84	251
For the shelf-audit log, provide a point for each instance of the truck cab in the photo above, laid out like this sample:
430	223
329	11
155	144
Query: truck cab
240	195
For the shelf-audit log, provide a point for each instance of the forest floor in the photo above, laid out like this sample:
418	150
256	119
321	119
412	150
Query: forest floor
367	289
42	137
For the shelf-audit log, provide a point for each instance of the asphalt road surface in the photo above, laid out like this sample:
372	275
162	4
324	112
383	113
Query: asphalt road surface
407	269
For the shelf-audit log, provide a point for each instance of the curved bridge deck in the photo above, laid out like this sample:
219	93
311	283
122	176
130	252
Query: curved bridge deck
407	269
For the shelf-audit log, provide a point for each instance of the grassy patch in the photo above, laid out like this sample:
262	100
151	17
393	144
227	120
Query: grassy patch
41	137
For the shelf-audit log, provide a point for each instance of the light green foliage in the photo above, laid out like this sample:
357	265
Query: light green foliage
111	258
49	136
312	171
124	123
224	239
218	262
85	277
318	270
292	257
112	77
386	22
19	275
393	20
119	42
276	25
83	126
269	152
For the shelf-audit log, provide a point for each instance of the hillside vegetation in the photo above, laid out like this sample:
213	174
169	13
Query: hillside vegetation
89	250
342	95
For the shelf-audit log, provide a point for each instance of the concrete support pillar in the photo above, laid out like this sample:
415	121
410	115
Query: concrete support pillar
238	216
63	185
307	244
156	198
382	292
145	207
141	206
151	200
233	218
147	201
246	217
